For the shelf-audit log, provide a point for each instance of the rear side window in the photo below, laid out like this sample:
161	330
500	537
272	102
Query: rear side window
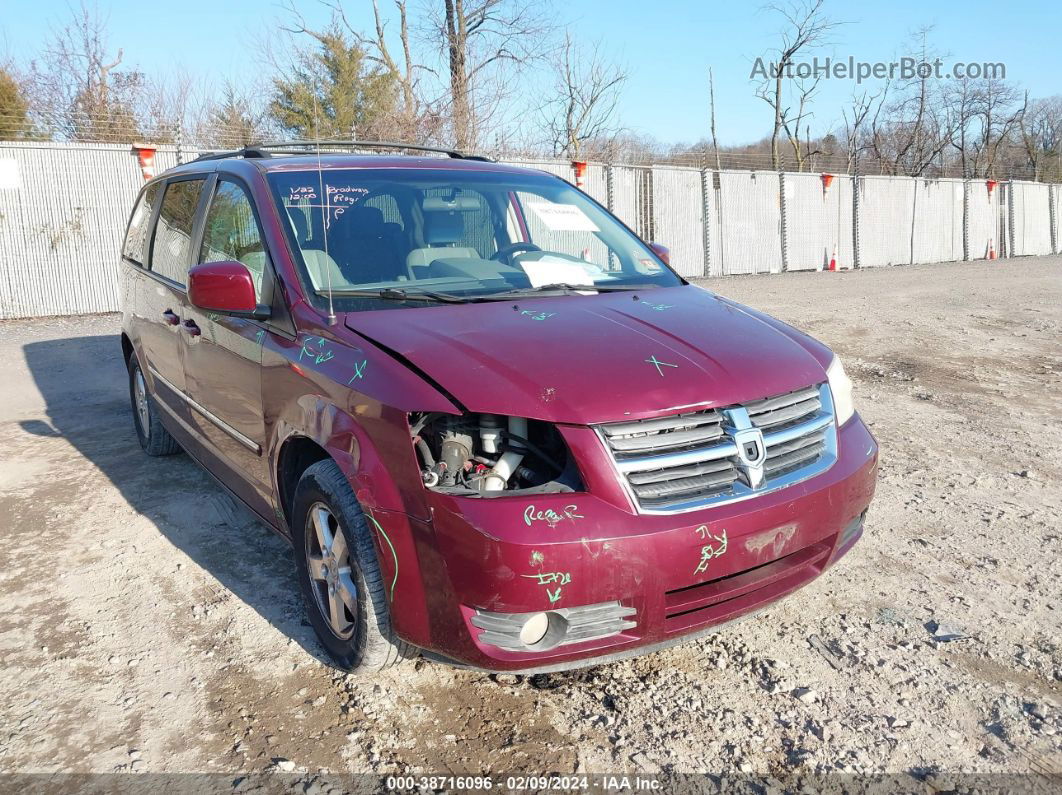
231	233
173	234
136	239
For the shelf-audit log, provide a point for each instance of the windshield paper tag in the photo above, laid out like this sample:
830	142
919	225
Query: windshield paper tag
563	217
549	270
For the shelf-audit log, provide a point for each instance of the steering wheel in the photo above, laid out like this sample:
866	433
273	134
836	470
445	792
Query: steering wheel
507	252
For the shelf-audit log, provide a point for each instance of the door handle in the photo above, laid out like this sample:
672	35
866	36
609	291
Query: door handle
170	317
190	327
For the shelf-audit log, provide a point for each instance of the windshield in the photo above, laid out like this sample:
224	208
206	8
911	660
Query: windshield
422	235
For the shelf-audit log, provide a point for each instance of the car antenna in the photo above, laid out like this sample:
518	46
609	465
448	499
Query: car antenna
326	211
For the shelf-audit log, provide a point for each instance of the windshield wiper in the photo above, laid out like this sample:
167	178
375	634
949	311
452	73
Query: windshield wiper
563	287
394	294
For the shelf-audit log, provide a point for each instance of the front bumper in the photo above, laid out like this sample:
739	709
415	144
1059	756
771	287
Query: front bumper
683	574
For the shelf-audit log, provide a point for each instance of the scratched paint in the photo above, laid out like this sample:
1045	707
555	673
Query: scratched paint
658	364
549	516
716	547
537	558
259	336
775	539
394	555
558	579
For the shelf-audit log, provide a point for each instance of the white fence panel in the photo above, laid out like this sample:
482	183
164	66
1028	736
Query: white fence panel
714	266
750	222
1056	196
818	221
885	220
597	183
63	212
558	168
937	218
625	195
982	218
679	217
1031	221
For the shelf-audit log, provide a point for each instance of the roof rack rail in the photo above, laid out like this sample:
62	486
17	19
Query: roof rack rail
247	151
307	146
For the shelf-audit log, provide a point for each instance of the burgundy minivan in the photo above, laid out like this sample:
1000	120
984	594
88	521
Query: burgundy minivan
495	425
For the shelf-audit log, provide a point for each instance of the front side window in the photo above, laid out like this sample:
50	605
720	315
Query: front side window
468	234
172	245
231	233
135	246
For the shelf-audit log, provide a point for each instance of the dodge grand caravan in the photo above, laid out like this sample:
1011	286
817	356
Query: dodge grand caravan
496	427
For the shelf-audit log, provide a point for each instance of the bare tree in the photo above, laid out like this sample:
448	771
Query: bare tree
911	131
77	89
855	118
586	90
711	117
805	28
963	100
791	121
999	119
1041	137
480	37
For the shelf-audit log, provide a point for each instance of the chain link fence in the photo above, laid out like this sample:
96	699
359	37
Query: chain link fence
64	207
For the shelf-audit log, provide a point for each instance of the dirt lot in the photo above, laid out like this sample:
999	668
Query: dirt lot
147	624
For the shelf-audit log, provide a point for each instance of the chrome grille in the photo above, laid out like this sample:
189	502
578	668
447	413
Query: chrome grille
691	460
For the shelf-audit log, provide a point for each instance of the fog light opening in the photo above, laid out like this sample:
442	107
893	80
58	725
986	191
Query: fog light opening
543	631
534	629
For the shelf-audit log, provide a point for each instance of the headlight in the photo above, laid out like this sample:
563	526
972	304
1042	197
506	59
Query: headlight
841	388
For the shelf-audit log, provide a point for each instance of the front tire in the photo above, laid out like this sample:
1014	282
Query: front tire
154	438
339	576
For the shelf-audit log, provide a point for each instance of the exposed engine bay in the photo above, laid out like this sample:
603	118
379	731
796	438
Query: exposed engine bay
490	455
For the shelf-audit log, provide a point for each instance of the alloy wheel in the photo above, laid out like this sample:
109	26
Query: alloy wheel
141	399
328	561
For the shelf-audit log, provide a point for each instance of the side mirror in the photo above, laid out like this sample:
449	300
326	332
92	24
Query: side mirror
661	251
226	288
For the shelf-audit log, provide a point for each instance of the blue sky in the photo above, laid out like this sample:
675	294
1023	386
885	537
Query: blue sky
667	46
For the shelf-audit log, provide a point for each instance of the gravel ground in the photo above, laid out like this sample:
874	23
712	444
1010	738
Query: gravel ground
148	624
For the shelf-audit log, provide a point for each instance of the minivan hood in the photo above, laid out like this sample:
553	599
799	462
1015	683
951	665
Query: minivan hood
585	359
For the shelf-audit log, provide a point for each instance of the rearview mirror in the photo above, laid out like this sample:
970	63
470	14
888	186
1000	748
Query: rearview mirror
226	288
661	251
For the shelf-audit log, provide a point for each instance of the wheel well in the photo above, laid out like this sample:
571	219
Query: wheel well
297	454
127	347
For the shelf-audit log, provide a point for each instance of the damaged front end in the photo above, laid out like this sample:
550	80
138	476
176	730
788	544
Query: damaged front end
488	455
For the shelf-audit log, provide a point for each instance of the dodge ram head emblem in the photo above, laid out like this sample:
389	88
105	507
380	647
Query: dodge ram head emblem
751	453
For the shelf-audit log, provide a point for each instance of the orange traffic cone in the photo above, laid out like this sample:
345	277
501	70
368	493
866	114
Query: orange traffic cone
833	261
991	249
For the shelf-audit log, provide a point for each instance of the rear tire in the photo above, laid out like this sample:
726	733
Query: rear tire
154	438
339	575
